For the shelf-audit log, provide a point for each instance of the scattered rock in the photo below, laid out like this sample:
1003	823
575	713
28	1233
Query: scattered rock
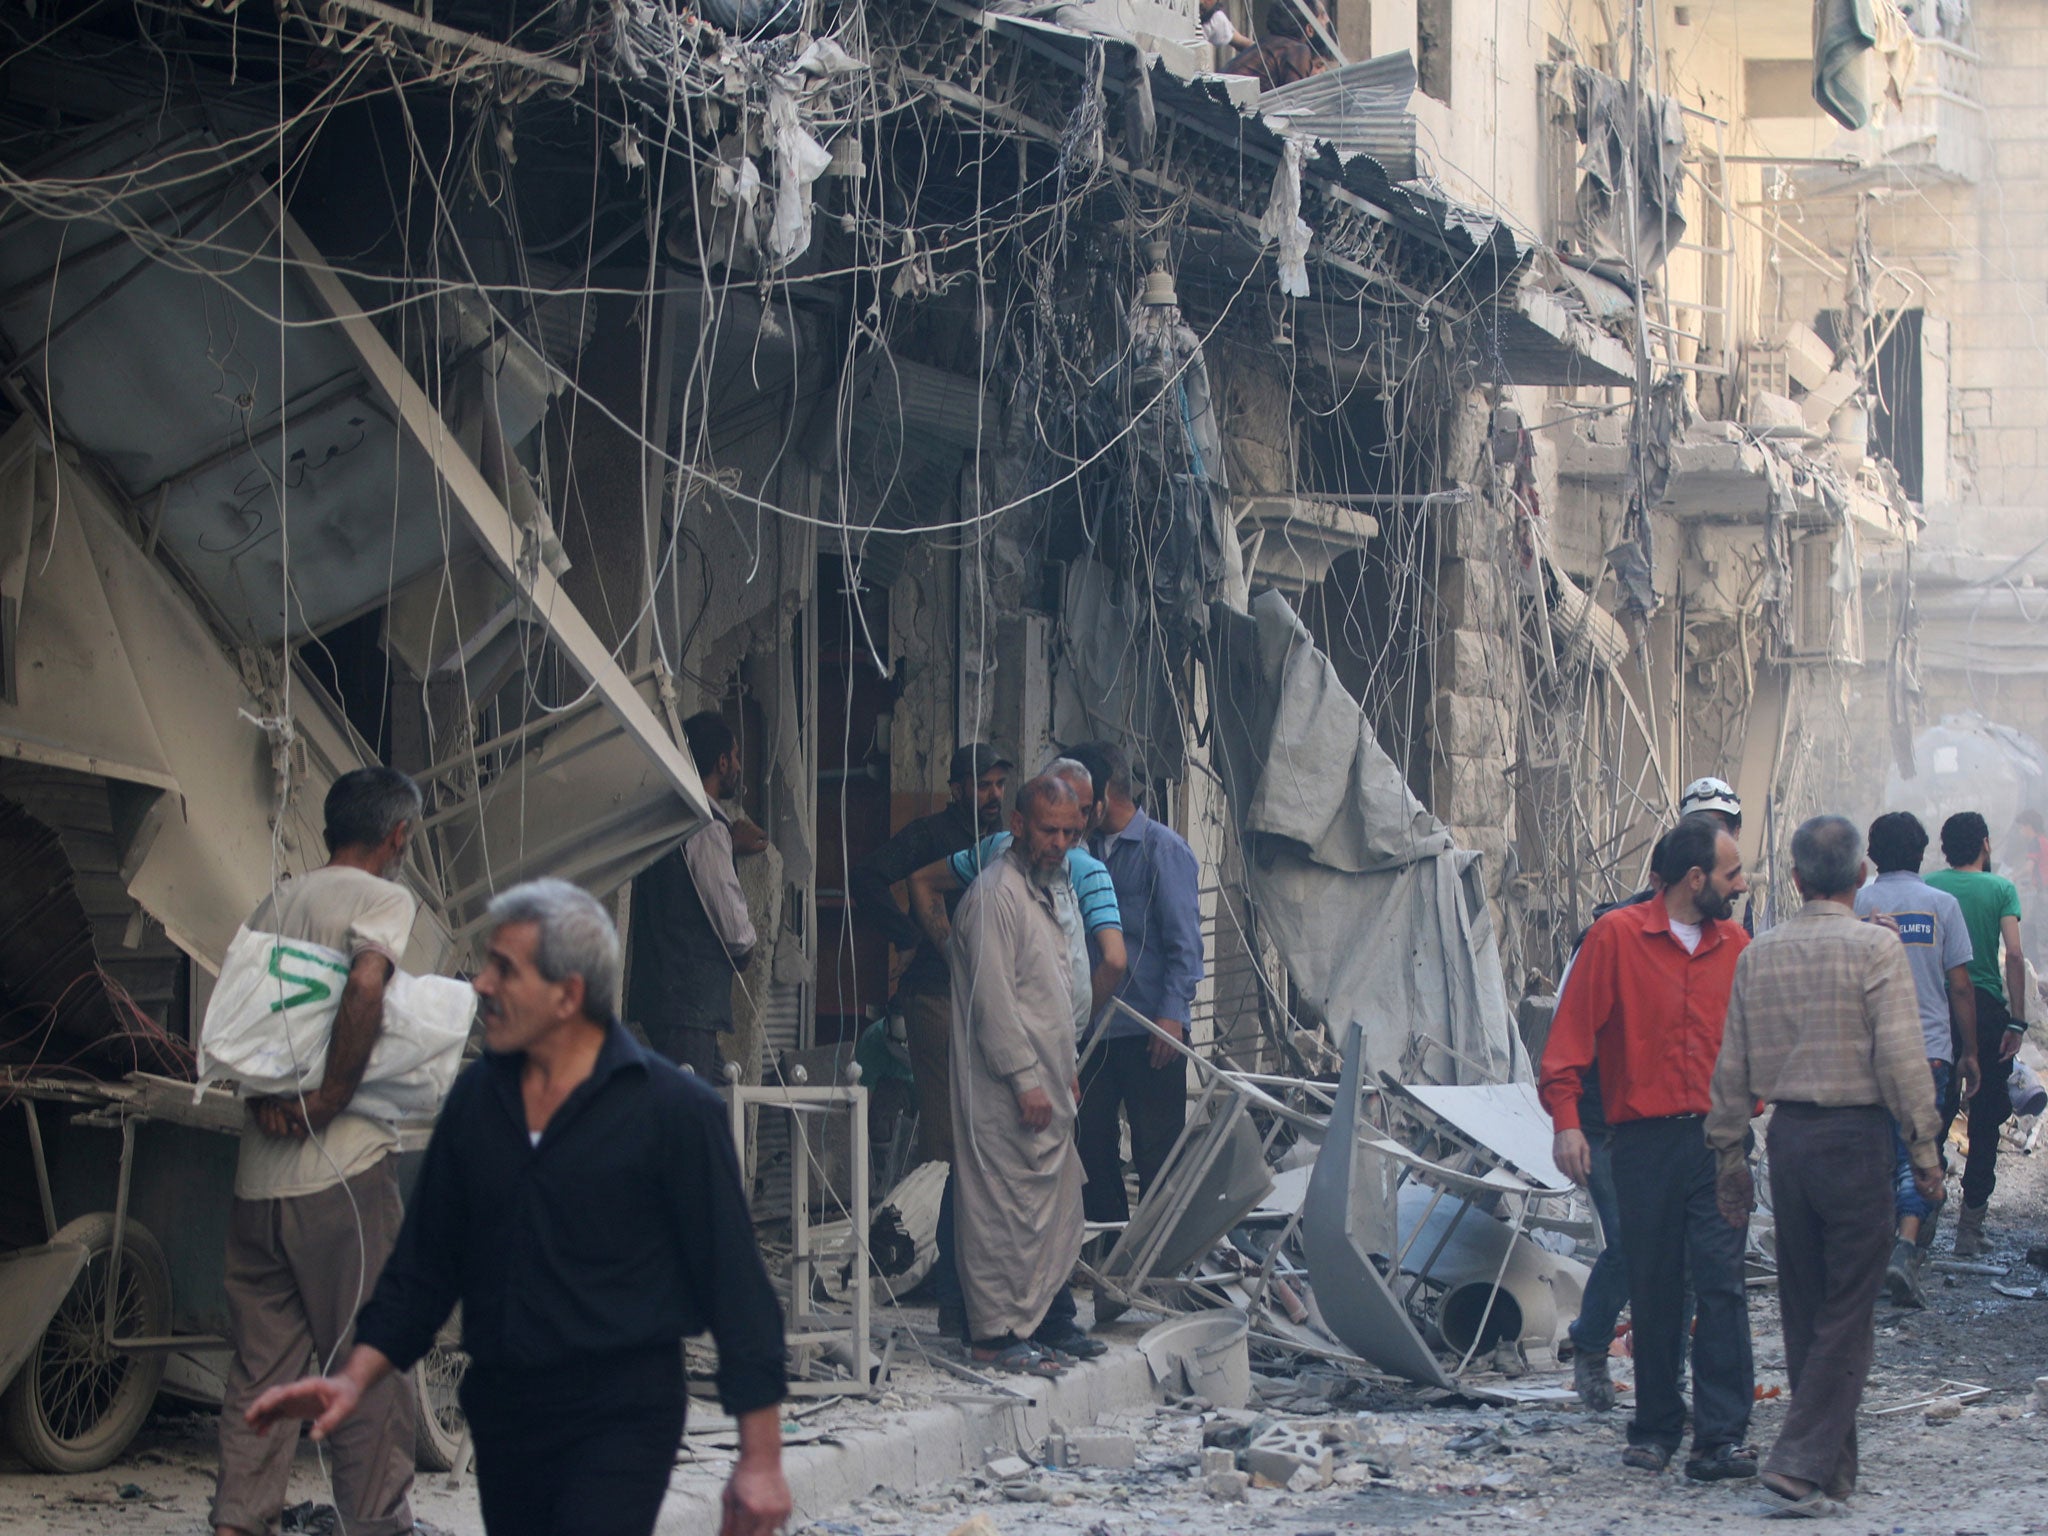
1942	1409
1227	1487
980	1525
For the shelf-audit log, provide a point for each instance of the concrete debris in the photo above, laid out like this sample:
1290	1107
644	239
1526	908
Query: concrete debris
1102	1449
1003	1468
980	1525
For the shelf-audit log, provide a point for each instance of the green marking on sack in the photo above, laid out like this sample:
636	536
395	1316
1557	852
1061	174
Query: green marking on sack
316	990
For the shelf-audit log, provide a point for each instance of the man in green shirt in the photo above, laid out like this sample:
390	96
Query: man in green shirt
1991	911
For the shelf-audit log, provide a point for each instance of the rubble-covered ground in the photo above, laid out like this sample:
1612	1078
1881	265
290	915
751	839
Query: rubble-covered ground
1398	1458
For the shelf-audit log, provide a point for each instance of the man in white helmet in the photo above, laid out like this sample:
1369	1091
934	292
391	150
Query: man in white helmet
1715	795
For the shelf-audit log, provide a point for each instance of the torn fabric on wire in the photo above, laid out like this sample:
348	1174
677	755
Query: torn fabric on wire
1284	224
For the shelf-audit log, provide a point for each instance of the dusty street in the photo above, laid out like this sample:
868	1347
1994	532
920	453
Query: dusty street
1414	1464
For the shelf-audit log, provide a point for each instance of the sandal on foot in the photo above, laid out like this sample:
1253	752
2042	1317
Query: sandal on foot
1813	1506
1017	1358
1647	1458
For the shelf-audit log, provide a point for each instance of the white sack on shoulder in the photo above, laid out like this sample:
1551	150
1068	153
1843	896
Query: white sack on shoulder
272	1015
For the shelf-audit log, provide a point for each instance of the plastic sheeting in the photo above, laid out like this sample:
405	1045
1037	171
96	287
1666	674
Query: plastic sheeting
1380	919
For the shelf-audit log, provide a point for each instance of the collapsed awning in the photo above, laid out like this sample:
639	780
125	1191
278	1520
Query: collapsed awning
259	434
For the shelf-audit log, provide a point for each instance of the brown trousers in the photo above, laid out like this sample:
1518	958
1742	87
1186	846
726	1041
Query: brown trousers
296	1271
1831	1195
928	1021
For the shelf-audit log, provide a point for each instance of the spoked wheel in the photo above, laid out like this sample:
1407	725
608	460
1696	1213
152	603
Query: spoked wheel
439	1424
76	1403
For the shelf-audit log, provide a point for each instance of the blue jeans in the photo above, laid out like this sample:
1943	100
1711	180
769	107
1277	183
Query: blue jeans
1906	1200
1664	1190
1607	1286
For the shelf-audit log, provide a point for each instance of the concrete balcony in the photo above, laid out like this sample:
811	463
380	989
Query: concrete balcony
1290	542
1938	134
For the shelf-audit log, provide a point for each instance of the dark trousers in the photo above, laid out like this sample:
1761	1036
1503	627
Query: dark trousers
1672	1231
945	1269
689	1046
1120	1075
570	1458
1832	1199
1607	1286
1992	1106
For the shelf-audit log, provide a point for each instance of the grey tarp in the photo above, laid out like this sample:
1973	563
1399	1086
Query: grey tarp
1380	919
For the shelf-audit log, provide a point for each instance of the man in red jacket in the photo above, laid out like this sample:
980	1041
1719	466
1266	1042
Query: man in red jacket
1647	998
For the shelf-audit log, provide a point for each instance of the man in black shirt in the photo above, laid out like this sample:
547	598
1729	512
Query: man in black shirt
978	778
581	1199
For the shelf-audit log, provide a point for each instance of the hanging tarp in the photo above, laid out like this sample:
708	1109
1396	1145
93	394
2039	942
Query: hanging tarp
1381	920
1610	197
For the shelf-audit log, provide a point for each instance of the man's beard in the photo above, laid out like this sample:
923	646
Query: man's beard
1714	907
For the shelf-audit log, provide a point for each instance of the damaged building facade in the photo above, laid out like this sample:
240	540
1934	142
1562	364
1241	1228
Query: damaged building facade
1423	470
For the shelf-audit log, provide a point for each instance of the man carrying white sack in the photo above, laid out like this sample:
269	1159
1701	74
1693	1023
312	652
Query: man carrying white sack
316	1207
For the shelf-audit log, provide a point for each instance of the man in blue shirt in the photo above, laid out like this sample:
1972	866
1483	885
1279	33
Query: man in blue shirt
1937	940
1157	892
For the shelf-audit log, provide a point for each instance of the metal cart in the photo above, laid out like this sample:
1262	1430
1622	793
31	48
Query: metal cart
124	1297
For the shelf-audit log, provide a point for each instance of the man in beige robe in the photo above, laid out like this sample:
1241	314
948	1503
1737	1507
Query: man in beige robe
1017	1171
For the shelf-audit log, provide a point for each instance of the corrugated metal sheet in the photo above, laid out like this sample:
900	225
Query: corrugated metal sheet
1358	109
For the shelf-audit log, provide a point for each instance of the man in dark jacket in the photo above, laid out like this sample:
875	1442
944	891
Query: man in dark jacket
581	1199
924	993
691	930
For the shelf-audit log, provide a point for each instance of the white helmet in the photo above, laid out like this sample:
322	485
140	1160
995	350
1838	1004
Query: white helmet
1709	795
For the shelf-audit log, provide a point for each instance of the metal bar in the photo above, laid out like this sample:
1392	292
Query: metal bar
170	1343
42	1162
480	47
1830	162
120	1218
502	540
863	1271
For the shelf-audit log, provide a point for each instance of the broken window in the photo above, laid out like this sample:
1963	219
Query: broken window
1900	417
1433	47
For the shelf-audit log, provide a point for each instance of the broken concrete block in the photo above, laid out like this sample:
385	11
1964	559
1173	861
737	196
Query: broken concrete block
1228	1487
1277	1453
1002	1467
1099	1448
1307	1480
1943	1409
1354	1475
980	1525
1216	1459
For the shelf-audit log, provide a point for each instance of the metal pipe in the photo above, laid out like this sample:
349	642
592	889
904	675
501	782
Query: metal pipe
120	1218
482	47
42	1162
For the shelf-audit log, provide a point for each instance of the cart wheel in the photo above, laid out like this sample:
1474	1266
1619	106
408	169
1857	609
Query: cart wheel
439	1425
76	1403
